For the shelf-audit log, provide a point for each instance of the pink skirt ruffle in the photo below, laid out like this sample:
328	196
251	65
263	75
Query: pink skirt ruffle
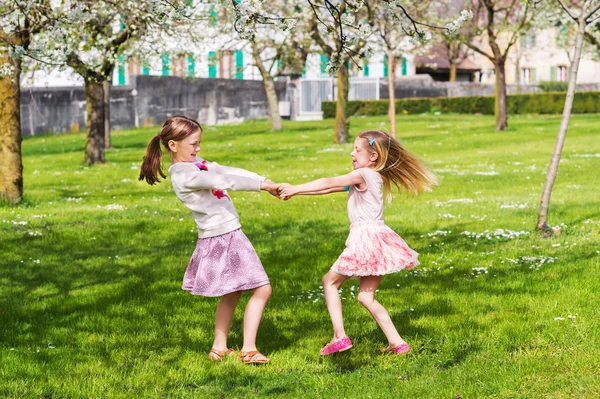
373	249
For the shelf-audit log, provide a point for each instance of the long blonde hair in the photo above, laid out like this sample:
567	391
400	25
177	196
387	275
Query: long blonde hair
175	128
397	166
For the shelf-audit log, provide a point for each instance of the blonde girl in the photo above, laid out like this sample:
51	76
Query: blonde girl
372	248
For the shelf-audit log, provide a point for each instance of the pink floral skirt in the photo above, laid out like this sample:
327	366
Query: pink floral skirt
373	249
224	264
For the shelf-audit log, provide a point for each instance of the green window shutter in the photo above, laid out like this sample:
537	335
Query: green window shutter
385	65
404	67
366	67
165	64
523	40
239	64
121	22
304	71
517	74
121	70
552	73
146	68
191	65
324	62
212	64
533	78
189	3
213	17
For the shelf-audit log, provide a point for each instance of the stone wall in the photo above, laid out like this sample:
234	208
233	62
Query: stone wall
149	101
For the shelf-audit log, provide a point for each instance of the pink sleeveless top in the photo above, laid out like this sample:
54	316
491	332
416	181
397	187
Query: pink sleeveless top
366	205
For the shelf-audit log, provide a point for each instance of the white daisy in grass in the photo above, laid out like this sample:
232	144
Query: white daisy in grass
448	216
453	201
496	234
490	173
439	233
112	207
514	205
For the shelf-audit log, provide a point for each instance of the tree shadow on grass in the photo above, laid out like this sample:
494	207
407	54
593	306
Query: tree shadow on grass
94	306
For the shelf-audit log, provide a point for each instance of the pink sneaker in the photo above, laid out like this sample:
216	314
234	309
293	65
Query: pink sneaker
340	345
398	350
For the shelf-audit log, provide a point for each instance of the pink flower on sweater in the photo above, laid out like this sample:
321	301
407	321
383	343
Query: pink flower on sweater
220	194
202	165
217	193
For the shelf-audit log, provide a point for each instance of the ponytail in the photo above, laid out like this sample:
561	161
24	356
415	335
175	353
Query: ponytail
175	128
151	167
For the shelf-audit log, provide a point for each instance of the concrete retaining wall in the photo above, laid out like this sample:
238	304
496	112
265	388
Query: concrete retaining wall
149	101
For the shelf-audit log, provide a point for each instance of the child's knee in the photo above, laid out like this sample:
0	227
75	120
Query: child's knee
264	291
365	298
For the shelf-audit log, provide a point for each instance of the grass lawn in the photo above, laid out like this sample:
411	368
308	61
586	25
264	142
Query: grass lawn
91	267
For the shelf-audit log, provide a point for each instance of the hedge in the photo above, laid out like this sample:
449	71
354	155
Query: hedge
539	103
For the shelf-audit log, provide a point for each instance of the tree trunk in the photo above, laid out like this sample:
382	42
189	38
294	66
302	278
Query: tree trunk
518	75
452	71
273	103
94	109
562	131
269	85
392	93
11	165
341	119
500	106
107	88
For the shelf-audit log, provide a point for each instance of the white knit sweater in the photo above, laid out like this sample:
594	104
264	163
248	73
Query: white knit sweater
202	187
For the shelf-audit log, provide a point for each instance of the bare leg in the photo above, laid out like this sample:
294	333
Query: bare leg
253	315
331	284
366	296
225	310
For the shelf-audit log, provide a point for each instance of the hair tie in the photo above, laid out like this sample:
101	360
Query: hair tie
371	141
159	137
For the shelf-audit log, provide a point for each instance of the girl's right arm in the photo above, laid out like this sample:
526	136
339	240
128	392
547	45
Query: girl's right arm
322	186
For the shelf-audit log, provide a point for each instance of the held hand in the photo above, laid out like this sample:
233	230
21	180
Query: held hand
286	191
271	187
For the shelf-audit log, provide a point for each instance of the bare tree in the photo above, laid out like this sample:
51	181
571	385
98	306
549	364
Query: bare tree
586	13
330	37
497	24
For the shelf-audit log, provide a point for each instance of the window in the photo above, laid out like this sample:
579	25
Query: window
528	75
165	64
562	73
323	65
528	40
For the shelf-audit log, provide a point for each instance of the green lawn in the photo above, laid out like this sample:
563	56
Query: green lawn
91	267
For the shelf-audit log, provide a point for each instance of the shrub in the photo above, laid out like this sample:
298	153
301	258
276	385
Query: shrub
548	86
538	103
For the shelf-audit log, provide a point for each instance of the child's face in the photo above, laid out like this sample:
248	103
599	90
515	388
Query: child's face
185	150
363	155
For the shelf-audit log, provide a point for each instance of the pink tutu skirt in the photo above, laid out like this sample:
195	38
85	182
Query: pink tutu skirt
373	249
224	264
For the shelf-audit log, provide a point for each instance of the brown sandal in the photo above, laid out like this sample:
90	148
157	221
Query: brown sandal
217	356
253	357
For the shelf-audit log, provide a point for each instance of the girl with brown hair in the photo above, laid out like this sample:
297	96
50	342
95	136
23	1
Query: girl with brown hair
224	263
